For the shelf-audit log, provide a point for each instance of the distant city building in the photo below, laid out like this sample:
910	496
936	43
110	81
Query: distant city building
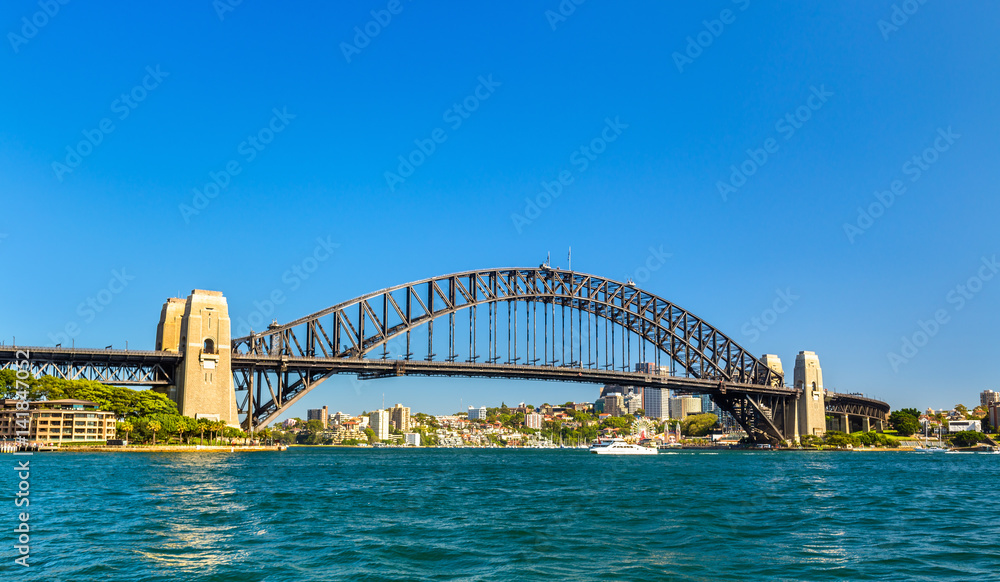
657	402
633	402
339	418
993	412
320	414
289	422
379	420
614	404
599	405
651	368
684	406
533	420
707	405
412	439
960	425
987	397
56	421
399	416
477	413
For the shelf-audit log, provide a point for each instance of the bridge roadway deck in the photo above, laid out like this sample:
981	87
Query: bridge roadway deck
377	368
43	359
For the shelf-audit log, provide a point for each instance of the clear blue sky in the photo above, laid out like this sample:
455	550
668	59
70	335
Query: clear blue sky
868	97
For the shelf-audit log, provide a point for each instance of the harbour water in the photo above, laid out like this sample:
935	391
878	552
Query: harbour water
450	514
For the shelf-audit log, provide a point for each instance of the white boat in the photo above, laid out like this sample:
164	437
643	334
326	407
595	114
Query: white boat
930	450
620	447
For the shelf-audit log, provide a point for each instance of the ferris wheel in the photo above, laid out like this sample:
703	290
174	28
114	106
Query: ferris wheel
643	428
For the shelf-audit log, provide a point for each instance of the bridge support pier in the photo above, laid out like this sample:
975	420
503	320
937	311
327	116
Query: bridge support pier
866	424
812	398
199	329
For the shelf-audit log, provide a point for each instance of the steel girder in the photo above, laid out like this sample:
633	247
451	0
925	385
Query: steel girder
118	367
856	405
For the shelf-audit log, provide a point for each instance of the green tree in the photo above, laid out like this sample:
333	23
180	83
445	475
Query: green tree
370	434
698	425
124	427
835	438
640	412
904	423
961	409
154	427
967	438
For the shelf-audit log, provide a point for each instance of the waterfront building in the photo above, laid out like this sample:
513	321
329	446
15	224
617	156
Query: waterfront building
412	439
379	421
987	397
477	413
399	417
960	425
320	414
657	402
684	406
57	421
533	420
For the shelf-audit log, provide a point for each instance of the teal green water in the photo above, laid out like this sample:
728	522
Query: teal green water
320	514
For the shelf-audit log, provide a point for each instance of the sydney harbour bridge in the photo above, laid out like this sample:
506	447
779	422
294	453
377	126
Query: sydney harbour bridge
525	323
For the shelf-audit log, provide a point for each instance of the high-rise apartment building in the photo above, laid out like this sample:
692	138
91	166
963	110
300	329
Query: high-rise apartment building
533	420
477	413
379	421
986	397
320	414
399	417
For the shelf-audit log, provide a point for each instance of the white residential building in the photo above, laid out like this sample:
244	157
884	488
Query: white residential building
960	425
533	420
477	413
412	439
380	423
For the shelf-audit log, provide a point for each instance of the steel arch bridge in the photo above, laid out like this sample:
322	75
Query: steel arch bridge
530	323
593	329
